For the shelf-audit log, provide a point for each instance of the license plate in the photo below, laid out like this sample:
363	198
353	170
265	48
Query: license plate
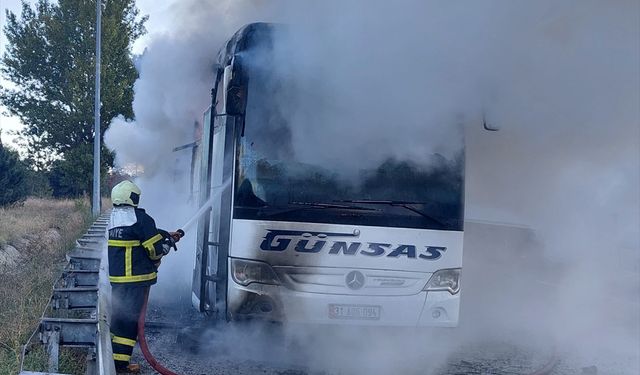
362	312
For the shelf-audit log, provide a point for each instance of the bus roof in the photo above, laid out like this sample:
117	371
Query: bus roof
249	35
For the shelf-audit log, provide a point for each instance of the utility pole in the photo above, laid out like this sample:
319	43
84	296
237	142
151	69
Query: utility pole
95	206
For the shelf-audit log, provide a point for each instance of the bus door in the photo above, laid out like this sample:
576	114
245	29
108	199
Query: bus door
210	273
223	122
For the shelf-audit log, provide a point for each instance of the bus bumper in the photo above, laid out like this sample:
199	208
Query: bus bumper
277	303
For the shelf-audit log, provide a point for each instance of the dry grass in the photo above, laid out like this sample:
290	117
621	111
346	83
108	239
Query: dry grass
38	215
106	203
42	230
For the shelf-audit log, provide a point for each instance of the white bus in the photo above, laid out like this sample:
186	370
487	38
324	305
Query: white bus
291	242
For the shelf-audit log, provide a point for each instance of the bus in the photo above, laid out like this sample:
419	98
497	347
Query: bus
291	241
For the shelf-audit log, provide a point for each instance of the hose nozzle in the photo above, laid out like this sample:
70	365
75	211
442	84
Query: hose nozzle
177	235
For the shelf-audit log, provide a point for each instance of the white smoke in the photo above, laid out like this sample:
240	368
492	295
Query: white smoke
176	76
381	78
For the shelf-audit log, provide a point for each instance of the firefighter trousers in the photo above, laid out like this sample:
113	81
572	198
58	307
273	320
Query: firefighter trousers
126	304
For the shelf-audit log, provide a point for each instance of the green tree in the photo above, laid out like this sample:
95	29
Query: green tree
12	177
67	177
50	60
38	183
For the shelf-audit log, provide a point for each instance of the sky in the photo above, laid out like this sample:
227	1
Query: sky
157	24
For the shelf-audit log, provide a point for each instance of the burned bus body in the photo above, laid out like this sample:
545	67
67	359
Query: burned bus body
289	240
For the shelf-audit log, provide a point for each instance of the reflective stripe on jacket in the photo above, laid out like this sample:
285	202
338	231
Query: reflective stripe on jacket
135	245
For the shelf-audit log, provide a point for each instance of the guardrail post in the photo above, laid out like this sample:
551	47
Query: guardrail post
53	349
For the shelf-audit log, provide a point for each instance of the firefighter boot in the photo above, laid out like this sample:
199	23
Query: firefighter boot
131	368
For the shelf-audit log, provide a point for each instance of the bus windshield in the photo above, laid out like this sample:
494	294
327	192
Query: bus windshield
273	184
396	193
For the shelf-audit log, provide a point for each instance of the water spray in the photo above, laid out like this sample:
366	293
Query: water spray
215	193
204	208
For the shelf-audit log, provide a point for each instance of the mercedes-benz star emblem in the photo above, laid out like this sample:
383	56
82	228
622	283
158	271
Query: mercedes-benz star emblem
355	280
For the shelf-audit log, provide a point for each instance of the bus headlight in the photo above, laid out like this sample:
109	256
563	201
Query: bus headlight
448	279
245	272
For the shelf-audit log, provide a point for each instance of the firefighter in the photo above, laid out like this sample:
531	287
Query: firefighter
135	249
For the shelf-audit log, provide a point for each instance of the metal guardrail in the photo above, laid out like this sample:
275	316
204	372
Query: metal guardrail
77	312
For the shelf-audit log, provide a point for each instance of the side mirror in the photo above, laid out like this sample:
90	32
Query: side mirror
235	102
489	126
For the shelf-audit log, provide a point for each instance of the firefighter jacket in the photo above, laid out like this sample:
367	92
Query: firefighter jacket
135	246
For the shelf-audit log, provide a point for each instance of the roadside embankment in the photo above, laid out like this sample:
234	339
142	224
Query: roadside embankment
34	238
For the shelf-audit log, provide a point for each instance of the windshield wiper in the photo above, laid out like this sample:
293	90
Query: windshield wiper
332	205
403	204
297	206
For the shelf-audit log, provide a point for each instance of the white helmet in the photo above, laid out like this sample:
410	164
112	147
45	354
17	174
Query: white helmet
126	193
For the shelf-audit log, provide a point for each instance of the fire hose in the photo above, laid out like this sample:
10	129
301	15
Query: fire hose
141	320
143	341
